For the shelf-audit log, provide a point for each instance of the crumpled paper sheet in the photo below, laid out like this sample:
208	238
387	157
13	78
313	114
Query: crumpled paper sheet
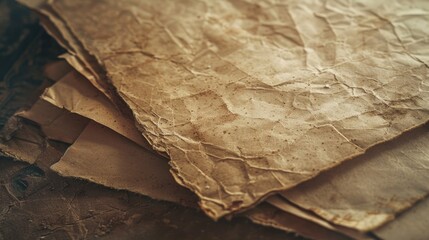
80	159
325	187
143	172
100	118
271	93
79	162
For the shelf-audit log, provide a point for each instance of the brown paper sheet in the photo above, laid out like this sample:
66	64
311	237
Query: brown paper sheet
107	158
74	162
119	170
77	95
57	123
252	90
317	194
367	192
268	215
41	204
284	205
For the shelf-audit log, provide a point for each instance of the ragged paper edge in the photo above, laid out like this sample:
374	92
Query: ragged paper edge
125	166
62	169
126	136
411	224
54	25
317	233
268	215
83	99
278	226
318	221
284	205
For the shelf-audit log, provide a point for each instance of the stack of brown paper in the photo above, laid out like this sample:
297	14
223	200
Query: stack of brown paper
306	116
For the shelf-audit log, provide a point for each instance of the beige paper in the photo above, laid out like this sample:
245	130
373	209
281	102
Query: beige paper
270	93
411	225
362	208
111	165
77	95
268	215
57	123
367	192
120	170
86	158
24	142
102	156
284	205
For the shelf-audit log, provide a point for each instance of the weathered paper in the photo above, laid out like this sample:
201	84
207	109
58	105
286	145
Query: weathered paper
77	95
367	192
105	157
25	142
120	170
74	160
284	205
365	209
269	93
268	215
412	224
57	123
123	166
60	208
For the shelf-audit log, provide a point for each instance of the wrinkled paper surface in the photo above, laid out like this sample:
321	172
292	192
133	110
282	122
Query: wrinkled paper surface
270	93
104	157
342	195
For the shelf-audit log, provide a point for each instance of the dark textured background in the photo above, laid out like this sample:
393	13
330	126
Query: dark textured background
36	203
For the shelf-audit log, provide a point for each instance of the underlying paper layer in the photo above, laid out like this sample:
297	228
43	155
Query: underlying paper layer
117	162
77	95
411	225
252	90
369	191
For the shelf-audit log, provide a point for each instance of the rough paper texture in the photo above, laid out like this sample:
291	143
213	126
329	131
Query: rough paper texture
120	171
362	209
252	90
71	165
142	172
